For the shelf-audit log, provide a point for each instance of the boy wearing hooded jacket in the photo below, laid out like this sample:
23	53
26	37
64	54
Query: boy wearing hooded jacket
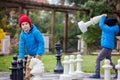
31	40
109	29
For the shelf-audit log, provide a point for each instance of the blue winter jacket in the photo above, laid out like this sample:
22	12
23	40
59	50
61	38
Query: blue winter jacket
108	34
31	42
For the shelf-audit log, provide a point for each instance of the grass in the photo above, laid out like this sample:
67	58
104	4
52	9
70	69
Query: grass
49	61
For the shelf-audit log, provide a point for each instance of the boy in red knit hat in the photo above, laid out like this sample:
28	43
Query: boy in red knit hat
31	41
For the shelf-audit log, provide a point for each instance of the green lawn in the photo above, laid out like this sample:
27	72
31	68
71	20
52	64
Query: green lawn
49	61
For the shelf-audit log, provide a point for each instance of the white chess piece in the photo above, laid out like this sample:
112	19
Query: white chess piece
37	68
72	67
79	72
65	75
107	68
118	68
84	25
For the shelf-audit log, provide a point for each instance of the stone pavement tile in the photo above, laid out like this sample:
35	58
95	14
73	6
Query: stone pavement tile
53	76
86	77
4	75
95	79
50	76
4	78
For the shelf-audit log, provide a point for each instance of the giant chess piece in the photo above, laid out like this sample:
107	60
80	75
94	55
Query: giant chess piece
84	25
79	71
107	68
37	68
72	67
13	68
66	75
118	68
58	67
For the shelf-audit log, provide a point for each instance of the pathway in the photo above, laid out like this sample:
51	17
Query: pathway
51	76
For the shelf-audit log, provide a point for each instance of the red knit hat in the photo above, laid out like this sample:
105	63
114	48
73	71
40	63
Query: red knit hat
23	18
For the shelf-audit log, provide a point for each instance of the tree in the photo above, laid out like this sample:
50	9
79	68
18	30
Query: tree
7	22
41	20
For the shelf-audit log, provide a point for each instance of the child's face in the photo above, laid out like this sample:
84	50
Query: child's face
25	26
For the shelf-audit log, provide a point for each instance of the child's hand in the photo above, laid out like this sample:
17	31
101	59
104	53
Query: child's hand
38	56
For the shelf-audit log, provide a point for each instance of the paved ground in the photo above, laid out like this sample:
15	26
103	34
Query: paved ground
4	76
51	76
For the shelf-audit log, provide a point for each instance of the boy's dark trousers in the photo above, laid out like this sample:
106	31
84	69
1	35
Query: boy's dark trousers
104	53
